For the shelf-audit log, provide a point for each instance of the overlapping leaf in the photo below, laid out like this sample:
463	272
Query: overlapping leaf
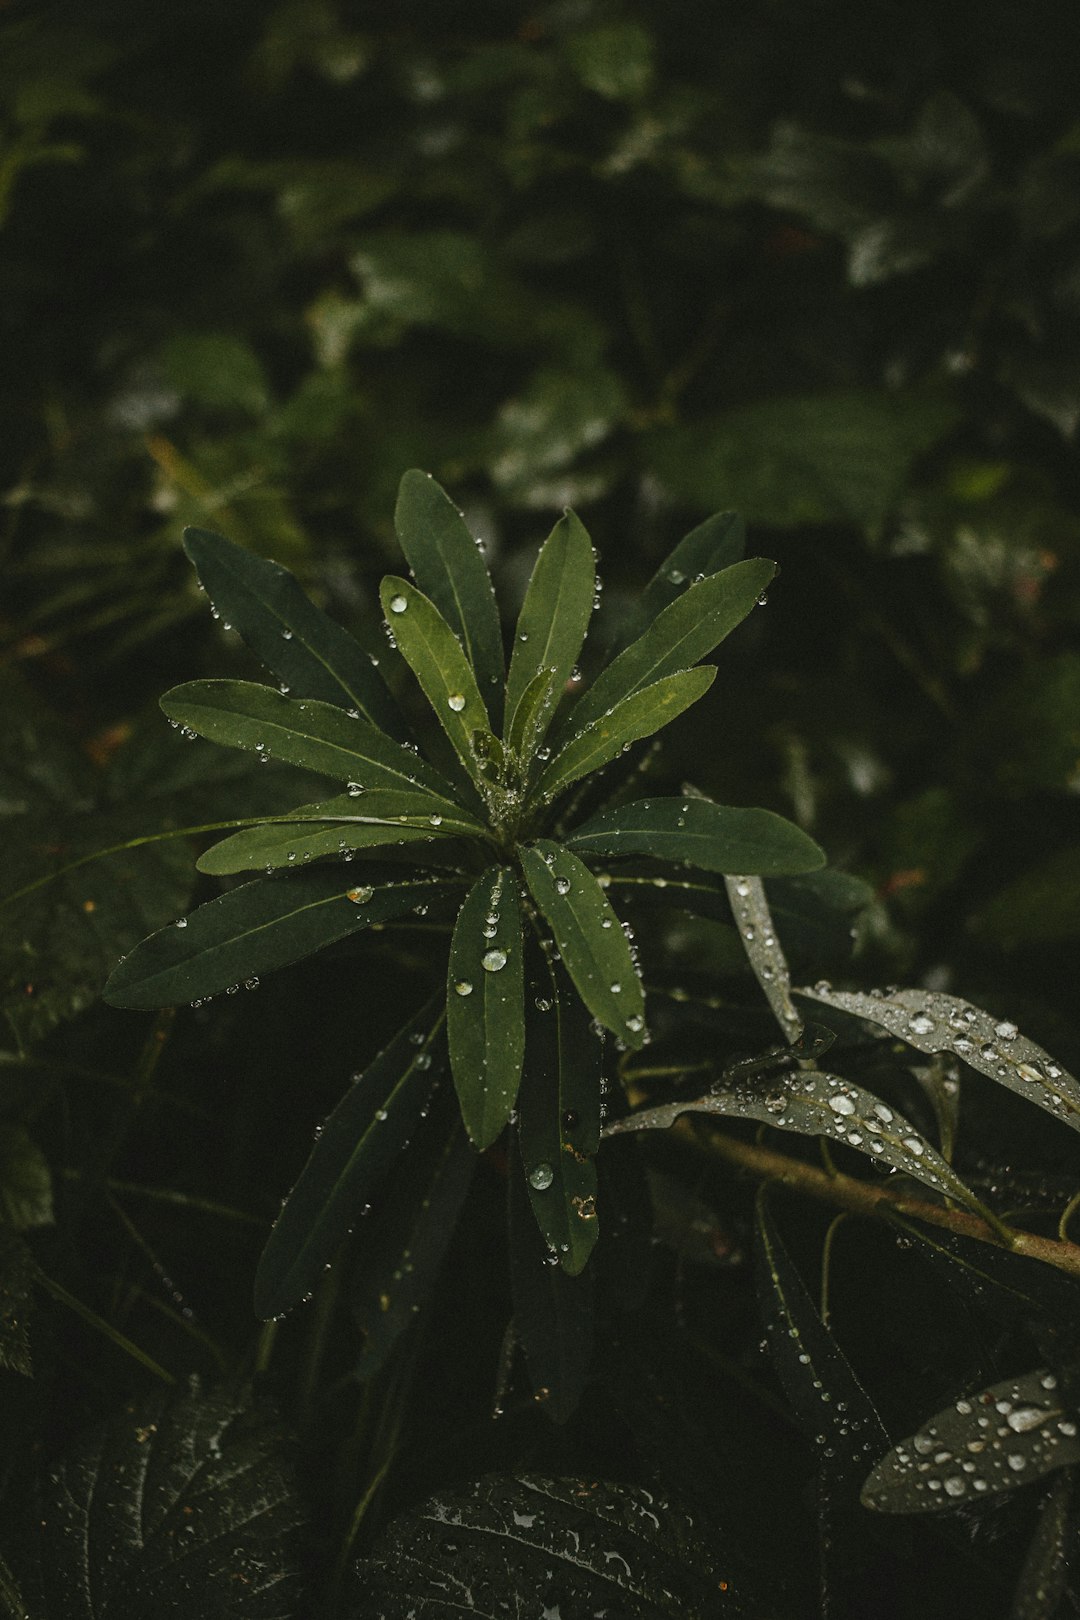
931	1021
555	614
754	922
485	1006
997	1440
353	1151
336	826
256	928
594	948
449	567
308	651
716	544
694	831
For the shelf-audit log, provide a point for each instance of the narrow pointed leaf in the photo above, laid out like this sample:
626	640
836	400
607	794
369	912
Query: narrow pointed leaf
999	1283
811	1103
311	653
435	656
533	714
716	544
931	1021
485	1005
686	631
1001	1438
695	831
590	938
256	928
754	922
449	567
559	1120
553	1310
636	716
316	736
830	1403
357	1146
336	826
555	614
404	1244
1045	1574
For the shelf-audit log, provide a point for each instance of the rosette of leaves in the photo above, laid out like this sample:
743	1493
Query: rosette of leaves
481	822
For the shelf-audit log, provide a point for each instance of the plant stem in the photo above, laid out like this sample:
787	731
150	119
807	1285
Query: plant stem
862	1198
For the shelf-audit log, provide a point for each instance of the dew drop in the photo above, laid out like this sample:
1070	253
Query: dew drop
463	987
398	604
562	885
456	702
842	1104
359	896
181	922
541	1178
492	962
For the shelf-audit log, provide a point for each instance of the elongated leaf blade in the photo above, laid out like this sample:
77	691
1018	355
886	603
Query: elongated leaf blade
316	736
754	922
449	567
533	714
996	1440
253	930
337	826
405	1242
435	656
636	716
553	1310
1044	1577
311	653
686	631
485	1004
826	1396
931	1021
357	1146
594	949
811	1103
715	544
555	614
696	832
559	1123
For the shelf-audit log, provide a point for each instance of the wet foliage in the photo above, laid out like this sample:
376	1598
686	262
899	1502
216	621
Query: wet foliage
530	1082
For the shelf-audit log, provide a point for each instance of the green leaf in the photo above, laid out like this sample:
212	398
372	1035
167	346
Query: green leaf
183	1505
217	370
590	938
533	715
697	832
526	1545
815	1104
311	653
750	909
683	633
716	544
449	567
405	1242
16	1302
826	1396
26	1198
559	1119
1045	1575
12	1606
555	614
553	1310
434	655
254	929
485	1009
353	1152
1008	1287
316	736
931	1021
837	457
634	717
333	827
1012	1433
1040	907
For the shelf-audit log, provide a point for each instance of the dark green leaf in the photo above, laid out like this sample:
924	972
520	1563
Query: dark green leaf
16	1302
559	1123
634	717
555	615
931	1021
316	736
553	1310
533	714
353	1152
308	651
683	633
183	1506
435	656
996	1440
485	1009
254	929
405	1242
754	922
829	1401
370	820
694	831
26	1197
1045	1574
529	1546
1040	907
12	1606
1008	1287
449	567
590	938
717	543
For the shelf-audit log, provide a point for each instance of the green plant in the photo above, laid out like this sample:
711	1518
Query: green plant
494	833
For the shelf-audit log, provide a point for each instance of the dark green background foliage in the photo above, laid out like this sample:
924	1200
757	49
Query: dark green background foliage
818	264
